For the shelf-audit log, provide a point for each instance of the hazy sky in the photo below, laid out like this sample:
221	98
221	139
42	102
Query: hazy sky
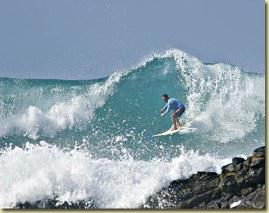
83	39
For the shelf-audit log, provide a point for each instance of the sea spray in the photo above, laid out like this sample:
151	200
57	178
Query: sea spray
44	171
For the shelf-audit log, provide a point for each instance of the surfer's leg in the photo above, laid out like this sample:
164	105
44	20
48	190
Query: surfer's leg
174	120
177	121
179	125
178	114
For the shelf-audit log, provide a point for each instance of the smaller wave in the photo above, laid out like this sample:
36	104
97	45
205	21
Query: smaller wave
43	171
62	115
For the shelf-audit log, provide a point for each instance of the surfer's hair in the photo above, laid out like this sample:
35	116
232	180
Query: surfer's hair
165	95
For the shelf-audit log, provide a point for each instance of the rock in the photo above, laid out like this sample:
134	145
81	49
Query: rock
53	204
257	162
212	205
256	176
242	180
259	151
216	194
228	168
255	199
246	191
229	185
224	205
237	161
198	199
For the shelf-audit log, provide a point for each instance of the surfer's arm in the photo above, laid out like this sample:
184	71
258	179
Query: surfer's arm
164	108
167	109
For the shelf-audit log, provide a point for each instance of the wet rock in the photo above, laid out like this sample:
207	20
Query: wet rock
241	184
54	204
259	151
228	168
228	184
237	162
257	162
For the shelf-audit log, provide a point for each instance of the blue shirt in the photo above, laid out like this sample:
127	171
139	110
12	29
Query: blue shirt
172	104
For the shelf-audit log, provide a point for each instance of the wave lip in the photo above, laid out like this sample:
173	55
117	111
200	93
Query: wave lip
61	115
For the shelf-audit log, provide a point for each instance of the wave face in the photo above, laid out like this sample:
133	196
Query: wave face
93	139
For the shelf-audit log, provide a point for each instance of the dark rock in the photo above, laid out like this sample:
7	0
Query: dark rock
257	162
246	191
242	180
228	168
237	161
256	176
224	205
254	200
259	151
216	194
228	184
207	174
198	199
54	204
213	205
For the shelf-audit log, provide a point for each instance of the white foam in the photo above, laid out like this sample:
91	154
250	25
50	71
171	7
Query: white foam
42	171
61	115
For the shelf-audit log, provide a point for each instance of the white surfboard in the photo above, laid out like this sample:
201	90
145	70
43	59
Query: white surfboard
185	128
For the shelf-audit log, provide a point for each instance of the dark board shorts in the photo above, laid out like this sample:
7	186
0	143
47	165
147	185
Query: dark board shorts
181	111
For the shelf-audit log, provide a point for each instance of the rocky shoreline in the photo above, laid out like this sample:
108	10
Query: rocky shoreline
241	184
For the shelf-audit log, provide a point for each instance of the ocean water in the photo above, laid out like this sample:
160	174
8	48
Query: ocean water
92	140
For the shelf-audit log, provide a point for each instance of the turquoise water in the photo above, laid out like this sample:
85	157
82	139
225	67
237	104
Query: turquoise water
93	138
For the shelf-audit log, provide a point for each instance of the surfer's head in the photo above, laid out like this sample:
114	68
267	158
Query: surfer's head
165	97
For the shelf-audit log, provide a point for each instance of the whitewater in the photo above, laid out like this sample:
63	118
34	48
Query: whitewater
91	140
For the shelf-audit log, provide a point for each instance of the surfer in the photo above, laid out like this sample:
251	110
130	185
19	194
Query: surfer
173	104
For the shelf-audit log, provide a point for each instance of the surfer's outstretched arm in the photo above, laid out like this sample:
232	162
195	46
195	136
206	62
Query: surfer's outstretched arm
164	108
167	109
